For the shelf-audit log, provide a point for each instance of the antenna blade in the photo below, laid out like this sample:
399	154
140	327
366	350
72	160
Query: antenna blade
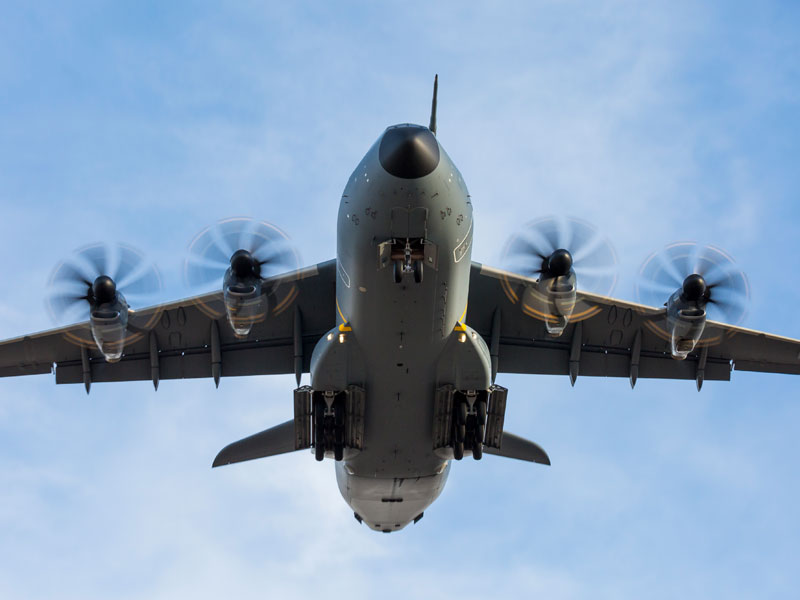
432	126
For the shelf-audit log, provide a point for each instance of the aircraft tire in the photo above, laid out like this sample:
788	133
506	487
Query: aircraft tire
319	452
480	407
458	450
461	433
480	433
338	451
418	271
338	413
461	413
477	451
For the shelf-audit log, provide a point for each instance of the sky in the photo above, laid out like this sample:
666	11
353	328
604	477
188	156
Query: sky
146	122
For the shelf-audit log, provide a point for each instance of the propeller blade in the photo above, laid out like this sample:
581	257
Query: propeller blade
209	255
69	294
664	272
593	257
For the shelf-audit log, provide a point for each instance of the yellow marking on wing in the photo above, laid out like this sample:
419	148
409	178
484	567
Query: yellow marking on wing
345	327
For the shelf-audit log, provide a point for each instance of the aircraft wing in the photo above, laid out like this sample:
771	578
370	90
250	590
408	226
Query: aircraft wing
611	338
182	339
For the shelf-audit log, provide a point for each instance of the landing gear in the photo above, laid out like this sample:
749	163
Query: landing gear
408	256
469	423
477	450
458	450
329	425
319	426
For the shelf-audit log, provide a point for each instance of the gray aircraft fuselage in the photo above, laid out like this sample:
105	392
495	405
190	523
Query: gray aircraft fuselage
401	338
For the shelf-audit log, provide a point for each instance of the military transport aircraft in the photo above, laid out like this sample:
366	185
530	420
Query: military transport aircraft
402	333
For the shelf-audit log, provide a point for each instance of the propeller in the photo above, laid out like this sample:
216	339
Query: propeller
94	274
551	246
250	248
705	274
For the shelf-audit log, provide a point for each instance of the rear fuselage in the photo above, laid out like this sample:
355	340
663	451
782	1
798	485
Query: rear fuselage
399	323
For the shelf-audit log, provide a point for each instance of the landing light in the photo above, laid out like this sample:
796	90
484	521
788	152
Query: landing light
341	338
330	337
462	337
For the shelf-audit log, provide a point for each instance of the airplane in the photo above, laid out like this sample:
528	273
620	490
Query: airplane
403	335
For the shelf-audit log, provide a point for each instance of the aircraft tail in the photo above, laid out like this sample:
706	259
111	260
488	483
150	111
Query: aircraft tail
432	126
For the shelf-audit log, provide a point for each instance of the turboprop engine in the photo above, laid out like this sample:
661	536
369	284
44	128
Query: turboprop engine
243	253
92	279
560	252
708	282
241	288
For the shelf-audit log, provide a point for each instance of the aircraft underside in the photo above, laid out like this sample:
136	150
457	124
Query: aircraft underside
402	334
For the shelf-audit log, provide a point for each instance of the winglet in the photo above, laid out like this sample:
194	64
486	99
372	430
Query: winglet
432	126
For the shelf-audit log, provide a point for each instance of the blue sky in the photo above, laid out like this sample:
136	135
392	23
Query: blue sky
145	123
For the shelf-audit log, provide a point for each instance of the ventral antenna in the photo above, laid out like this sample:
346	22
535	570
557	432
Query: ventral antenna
432	126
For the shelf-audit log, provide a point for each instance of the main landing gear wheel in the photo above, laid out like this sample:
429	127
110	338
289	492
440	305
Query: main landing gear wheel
477	450
319	428
480	409
418	271
458	450
461	413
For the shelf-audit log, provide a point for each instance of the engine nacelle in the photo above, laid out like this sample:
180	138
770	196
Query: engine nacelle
109	325
244	303
686	321
552	300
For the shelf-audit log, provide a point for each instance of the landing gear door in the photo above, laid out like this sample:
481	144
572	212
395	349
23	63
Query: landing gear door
418	223
400	223
384	254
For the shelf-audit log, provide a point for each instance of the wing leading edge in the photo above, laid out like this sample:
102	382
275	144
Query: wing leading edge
614	338
190	338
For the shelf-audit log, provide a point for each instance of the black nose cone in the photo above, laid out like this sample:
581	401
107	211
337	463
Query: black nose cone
409	151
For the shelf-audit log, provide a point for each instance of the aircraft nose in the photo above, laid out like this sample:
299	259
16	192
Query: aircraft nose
409	151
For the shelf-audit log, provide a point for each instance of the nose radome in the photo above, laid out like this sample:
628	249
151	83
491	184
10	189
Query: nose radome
409	151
